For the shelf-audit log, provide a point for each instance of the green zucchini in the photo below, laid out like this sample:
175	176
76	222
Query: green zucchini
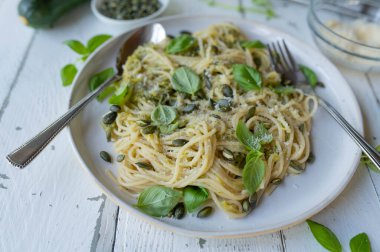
44	13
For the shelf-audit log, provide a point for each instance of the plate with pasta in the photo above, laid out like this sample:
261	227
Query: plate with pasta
202	136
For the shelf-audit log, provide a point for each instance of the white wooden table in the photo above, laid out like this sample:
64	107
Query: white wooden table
54	206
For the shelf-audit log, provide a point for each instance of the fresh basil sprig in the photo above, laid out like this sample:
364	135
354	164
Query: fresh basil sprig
69	71
254	140
247	77
310	75
158	200
194	197
325	236
366	161
163	115
180	44
360	243
186	80
253	44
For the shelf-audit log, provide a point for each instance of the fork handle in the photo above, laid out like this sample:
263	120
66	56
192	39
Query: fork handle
371	152
24	154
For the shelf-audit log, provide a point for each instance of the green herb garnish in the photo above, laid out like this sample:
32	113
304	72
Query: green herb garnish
99	78
121	95
194	197
168	129
310	76
186	80
325	236
284	90
253	44
366	161
254	140
247	77
180	44
68	73
158	200
360	243
163	115
253	171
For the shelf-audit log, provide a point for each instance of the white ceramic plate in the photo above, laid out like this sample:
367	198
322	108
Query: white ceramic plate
296	199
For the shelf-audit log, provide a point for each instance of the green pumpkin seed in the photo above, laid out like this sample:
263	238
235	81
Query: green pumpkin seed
189	108
227	91
311	158
205	212
179	142
253	200
211	103
296	167
223	105
251	113
145	166
149	129
276	181
228	155
109	118
301	127
115	108
120	158
179	211
206	79
143	123
182	124
216	116
246	206
105	156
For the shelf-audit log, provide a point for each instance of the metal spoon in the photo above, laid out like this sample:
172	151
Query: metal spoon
23	155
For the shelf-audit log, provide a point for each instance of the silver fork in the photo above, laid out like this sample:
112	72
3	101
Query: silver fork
285	64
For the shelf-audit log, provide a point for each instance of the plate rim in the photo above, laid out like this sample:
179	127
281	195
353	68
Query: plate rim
226	234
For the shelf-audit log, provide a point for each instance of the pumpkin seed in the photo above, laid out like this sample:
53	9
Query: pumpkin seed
253	200
223	105
206	78
179	211
170	36
227	91
149	129
204	212
105	156
143	123
109	118
145	166
246	206
179	142
189	108
120	158
251	112
311	158
115	108
276	181
296	167
216	116
185	32
227	154
182	124
301	127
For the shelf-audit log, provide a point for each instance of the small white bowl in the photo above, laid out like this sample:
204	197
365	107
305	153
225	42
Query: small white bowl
95	5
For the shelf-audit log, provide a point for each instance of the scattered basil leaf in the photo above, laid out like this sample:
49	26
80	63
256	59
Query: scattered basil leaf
366	161
360	243
253	172
253	154
168	129
180	44
186	80
105	93
194	197
247	77
163	115
121	95
68	73
99	78
97	41
325	236
254	140
158	200
253	44
284	90
310	76
76	46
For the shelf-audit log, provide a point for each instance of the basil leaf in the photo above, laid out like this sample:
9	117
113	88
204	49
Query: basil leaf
253	173
168	129
194	197
186	80
163	115
250	140
253	44
325	236
68	73
247	77
99	78
284	90
360	243
121	95
252	155
180	44
158	200
309	74
105	93
76	46
97	41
